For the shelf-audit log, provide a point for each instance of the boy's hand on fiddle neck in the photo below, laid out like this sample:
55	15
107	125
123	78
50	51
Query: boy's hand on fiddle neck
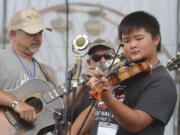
106	90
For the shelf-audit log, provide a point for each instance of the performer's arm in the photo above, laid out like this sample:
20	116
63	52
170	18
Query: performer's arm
132	120
79	121
26	111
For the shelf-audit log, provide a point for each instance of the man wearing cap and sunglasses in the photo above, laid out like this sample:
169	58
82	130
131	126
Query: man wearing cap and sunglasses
99	52
17	63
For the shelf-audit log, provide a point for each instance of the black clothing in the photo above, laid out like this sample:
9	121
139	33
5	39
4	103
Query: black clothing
154	94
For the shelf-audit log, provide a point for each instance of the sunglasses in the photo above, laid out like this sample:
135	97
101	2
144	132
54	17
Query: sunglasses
97	58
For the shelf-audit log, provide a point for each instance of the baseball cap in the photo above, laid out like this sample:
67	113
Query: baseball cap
28	21
100	42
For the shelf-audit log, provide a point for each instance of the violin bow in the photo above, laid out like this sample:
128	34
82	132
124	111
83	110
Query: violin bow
116	54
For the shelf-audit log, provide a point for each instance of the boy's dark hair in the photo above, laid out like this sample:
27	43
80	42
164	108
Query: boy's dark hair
137	20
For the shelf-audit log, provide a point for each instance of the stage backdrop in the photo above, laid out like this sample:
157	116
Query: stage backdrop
95	18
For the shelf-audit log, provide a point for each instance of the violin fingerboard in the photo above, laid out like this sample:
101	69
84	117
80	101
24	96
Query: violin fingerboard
103	66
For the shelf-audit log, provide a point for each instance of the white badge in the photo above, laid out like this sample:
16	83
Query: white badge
105	128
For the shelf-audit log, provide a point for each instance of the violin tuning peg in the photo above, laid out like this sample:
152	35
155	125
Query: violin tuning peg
169	62
178	54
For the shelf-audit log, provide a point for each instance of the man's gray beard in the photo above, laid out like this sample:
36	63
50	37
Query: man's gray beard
34	50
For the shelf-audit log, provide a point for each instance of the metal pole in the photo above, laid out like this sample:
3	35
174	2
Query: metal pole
177	111
4	24
67	36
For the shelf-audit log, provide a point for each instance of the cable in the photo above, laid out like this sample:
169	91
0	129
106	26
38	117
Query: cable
94	104
73	99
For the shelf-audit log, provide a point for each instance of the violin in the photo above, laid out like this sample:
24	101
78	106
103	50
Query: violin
119	76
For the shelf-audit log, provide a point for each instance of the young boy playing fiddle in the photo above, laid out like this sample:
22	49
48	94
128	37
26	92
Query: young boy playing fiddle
149	101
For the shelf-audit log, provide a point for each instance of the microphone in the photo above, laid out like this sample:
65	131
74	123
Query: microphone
80	43
75	78
72	83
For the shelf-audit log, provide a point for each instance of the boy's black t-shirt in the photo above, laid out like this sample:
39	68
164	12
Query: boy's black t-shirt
154	94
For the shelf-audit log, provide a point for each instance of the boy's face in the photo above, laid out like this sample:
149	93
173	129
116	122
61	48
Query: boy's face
139	44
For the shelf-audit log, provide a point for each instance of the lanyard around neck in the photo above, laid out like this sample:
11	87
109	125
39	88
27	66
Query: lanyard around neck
25	69
156	65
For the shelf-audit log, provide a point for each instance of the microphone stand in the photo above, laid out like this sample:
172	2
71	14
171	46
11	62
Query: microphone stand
72	112
69	78
59	120
74	80
61	115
